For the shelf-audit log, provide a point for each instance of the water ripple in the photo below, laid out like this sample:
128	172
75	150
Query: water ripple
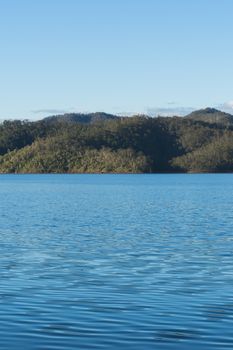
116	262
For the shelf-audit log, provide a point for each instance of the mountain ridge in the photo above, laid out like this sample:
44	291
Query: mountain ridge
211	115
103	143
85	118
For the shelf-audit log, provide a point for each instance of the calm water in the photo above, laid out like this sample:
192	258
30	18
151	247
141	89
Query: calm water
116	262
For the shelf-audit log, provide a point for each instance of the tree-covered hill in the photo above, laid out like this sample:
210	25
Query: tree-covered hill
211	115
101	143
88	118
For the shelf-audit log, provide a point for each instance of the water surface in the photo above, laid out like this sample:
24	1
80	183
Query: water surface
116	262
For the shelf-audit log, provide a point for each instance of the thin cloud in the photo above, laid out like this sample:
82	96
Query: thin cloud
125	114
171	103
50	111
169	111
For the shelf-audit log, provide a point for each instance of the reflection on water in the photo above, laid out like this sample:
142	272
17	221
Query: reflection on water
116	262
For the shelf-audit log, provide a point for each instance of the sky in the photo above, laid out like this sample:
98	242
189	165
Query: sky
121	57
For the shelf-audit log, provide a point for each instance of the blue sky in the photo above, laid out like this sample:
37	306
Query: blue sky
121	56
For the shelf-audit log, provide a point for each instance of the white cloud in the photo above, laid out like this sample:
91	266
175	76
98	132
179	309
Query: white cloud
169	111
49	111
226	107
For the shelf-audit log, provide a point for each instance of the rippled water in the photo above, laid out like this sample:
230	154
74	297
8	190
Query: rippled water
116	262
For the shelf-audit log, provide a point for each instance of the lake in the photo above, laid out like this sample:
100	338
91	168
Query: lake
116	262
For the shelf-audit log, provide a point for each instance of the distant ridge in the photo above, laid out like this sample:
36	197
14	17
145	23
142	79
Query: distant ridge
211	115
208	115
82	118
105	143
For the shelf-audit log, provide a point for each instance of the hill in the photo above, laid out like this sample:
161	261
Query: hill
82	118
211	115
100	144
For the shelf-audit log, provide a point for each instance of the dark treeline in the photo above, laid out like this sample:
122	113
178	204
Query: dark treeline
101	143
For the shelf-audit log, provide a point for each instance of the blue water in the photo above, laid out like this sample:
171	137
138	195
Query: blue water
116	262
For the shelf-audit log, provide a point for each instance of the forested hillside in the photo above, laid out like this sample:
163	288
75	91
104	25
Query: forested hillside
211	115
102	143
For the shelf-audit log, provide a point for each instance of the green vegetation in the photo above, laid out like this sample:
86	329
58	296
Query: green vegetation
211	115
102	143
